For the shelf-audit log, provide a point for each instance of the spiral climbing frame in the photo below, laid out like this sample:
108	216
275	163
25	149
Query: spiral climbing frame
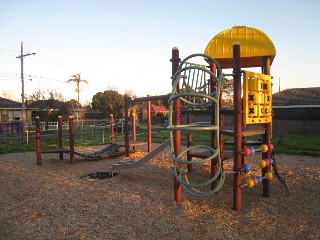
195	88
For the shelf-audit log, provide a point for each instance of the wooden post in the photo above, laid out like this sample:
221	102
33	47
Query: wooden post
38	141
266	136
126	130
60	136
177	133
149	126
189	143
213	135
134	133
111	129
71	135
237	157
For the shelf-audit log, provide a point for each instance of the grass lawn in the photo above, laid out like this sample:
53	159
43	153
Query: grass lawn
307	145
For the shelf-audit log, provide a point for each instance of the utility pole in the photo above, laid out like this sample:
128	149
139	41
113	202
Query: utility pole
23	115
279	84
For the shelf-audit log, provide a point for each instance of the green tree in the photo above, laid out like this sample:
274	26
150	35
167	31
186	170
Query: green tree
77	79
68	108
108	102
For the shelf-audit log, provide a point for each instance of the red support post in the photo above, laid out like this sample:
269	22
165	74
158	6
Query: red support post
38	141
126	124
71	139
189	143
266	136
134	132
111	129
213	163
60	136
176	119
149	126
237	157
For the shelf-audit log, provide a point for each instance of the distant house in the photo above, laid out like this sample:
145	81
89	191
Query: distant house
142	111
297	110
11	116
12	111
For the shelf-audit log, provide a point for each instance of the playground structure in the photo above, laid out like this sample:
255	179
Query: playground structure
151	153
196	88
113	149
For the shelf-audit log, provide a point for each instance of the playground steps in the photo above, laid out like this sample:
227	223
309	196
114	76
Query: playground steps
136	163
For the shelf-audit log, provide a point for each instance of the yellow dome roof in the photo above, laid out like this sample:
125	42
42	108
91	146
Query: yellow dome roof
254	45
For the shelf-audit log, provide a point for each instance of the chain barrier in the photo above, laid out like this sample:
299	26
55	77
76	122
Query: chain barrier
277	174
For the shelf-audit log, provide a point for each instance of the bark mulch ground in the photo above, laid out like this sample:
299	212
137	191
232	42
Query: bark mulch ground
61	201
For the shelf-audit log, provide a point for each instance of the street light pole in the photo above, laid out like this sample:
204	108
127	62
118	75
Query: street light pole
23	115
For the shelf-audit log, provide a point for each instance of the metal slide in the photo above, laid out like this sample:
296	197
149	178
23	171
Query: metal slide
136	163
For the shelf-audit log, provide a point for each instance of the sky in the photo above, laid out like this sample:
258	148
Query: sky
126	45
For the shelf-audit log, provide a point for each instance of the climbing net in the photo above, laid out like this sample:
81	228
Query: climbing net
192	85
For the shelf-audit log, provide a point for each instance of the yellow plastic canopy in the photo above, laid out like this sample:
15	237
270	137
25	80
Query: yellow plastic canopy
254	45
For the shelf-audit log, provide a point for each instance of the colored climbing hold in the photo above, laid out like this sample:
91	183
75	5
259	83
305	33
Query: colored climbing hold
256	181
270	160
264	148
269	176
259	179
267	162
250	183
263	163
246	168
252	150
270	146
246	152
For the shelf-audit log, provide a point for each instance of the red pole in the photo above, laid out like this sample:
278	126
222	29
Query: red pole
134	132
38	141
149	127
189	143
237	127
126	130
60	136
266	136
177	133
71	136
213	86
111	129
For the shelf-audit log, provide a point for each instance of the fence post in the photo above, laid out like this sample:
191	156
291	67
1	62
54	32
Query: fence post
71	134
38	142
60	136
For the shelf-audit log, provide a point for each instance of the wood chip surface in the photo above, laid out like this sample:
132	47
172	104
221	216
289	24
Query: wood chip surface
52	201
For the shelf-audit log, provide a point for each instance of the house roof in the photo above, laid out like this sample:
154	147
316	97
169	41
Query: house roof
6	103
155	108
297	96
42	104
